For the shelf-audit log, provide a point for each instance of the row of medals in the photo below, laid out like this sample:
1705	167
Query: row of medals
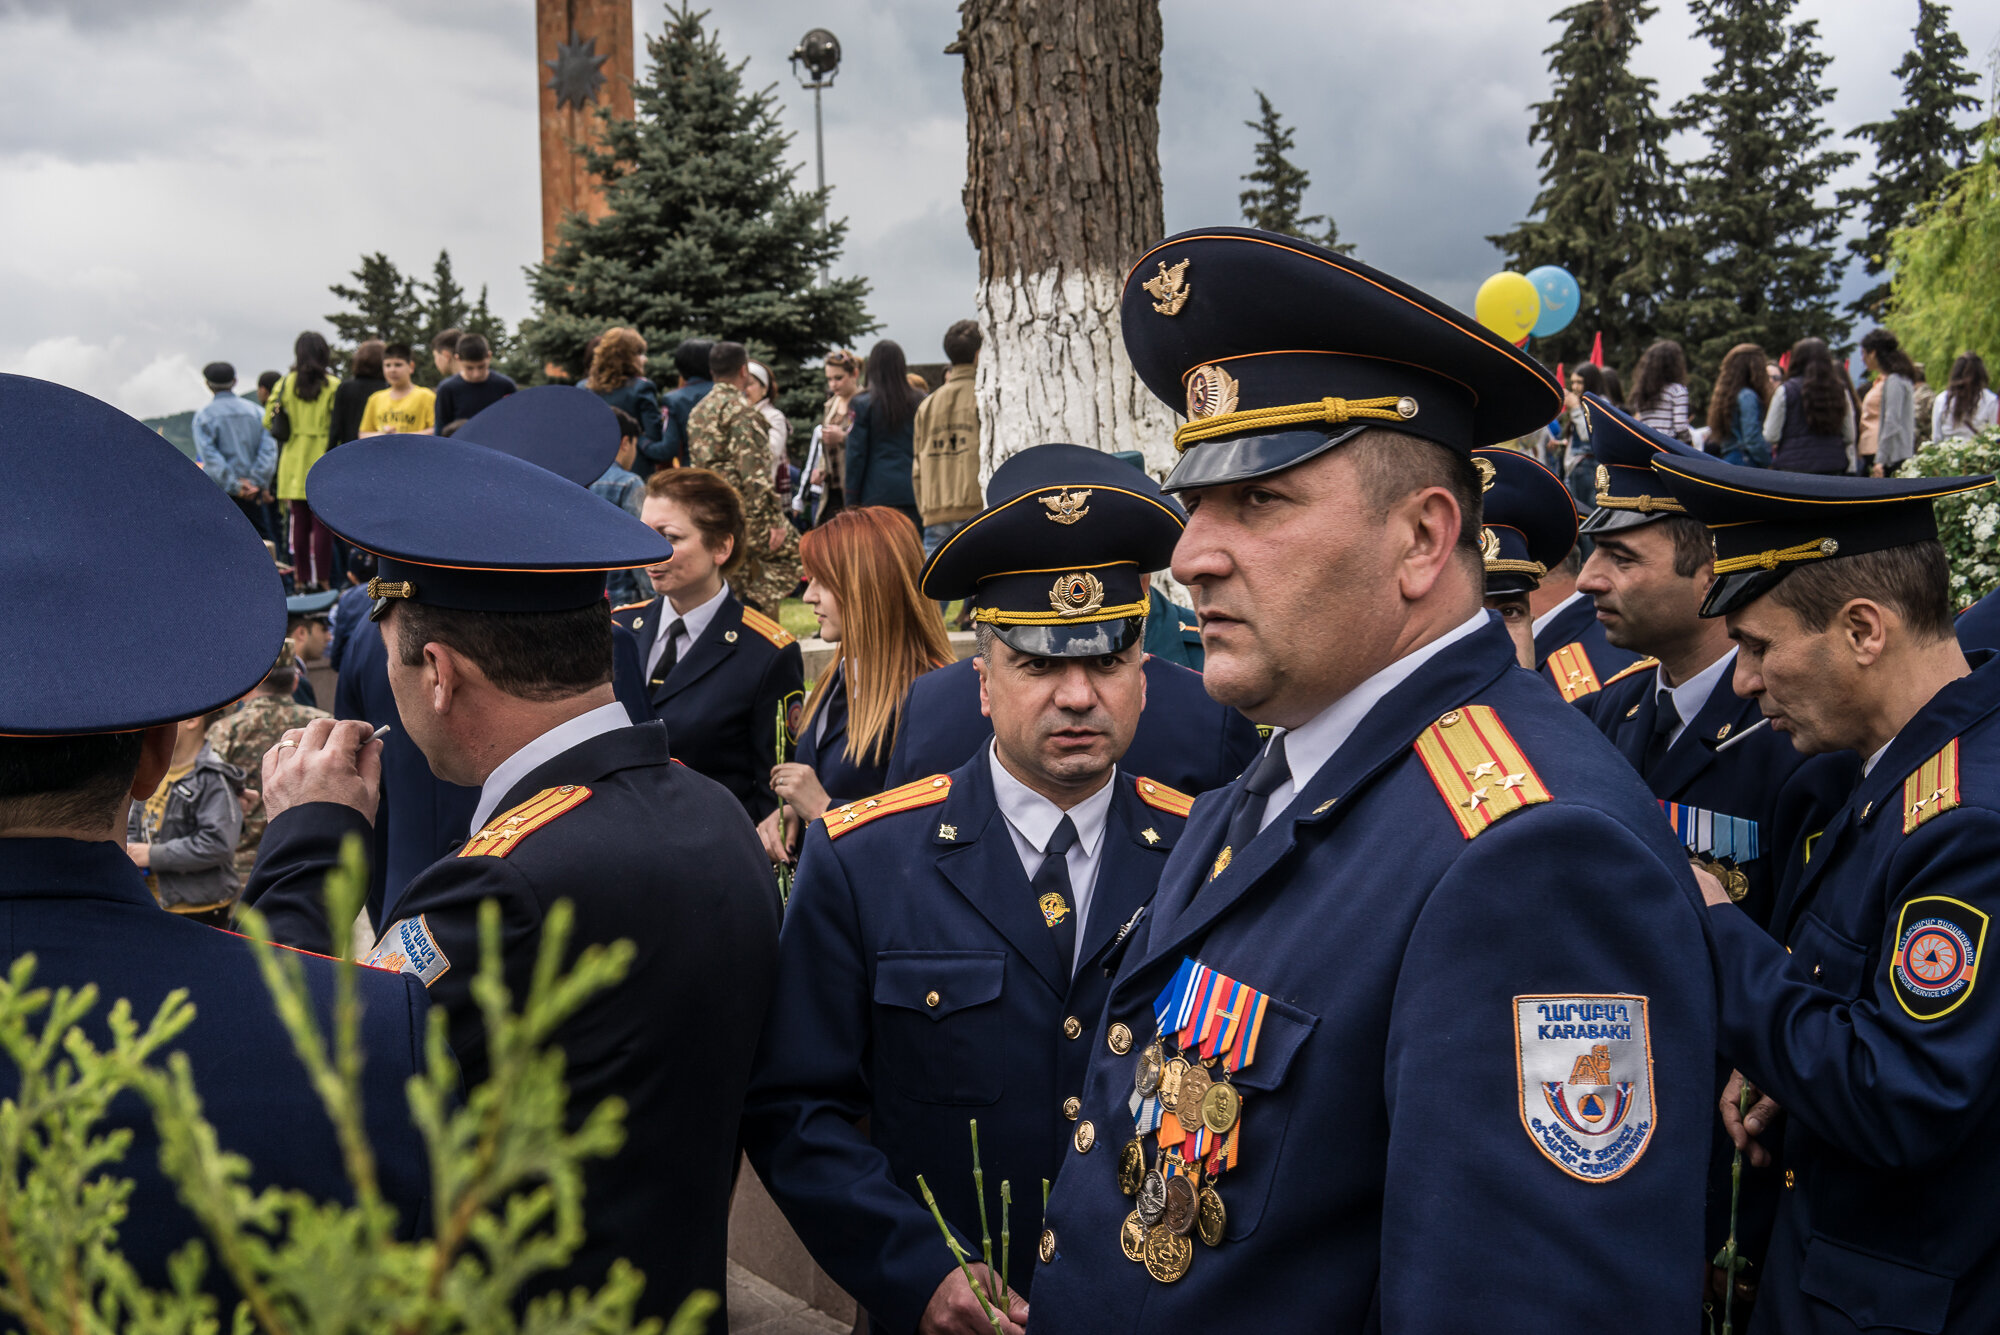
1156	1234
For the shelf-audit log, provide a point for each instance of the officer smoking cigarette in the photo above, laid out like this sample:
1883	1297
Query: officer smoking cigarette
1760	723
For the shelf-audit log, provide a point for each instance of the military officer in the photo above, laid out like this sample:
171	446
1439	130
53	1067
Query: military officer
490	599
942	953
1863	1020
81	733
1184	738
1497	1094
1530	528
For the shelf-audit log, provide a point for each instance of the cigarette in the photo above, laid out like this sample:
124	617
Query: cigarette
1760	723
383	731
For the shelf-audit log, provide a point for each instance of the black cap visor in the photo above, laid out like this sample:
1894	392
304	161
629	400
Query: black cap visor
1215	463
1089	639
1604	519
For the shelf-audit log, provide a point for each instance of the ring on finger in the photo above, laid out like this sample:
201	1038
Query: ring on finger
289	741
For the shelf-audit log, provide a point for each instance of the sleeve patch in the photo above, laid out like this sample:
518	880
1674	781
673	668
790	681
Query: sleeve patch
508	828
1478	769
1938	944
1162	798
922	793
1643	665
1573	674
1584	1069
769	629
408	947
1932	790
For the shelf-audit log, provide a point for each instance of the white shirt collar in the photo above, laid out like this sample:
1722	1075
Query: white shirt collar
1691	695
1036	818
1312	744
1542	621
695	620
593	723
1869	767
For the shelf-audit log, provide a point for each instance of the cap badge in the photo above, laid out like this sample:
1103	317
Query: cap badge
1077	594
1603	480
1211	392
1488	474
1066	507
1489	541
1169	288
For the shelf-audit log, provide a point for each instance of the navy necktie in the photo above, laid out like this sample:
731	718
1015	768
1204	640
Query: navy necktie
1053	895
1266	777
1665	719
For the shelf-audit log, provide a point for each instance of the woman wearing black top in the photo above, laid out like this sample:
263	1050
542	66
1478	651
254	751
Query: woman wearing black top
350	400
881	444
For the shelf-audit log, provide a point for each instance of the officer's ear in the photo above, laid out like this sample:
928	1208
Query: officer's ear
979	665
156	757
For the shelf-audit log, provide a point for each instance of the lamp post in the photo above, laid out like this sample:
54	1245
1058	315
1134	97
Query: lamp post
819	52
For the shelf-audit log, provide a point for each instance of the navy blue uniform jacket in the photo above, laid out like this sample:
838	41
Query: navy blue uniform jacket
1387	1176
1184	739
1892	1096
83	911
720	702
822	744
1593	658
657	855
1978	626
919	987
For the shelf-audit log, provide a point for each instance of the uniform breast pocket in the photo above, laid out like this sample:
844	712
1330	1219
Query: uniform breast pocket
1830	959
938	1023
1266	1112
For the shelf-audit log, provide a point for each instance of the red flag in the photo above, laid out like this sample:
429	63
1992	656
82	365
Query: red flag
1785	361
1597	349
1562	377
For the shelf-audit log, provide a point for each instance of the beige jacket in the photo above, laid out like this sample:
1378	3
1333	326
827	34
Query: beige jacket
946	470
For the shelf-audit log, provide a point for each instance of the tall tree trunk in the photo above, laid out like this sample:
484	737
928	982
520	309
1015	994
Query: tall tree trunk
1062	194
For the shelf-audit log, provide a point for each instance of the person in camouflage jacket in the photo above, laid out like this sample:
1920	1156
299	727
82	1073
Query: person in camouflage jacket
728	435
242	738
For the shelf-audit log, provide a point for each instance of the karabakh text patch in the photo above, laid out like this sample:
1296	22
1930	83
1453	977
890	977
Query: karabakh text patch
408	947
1585	1066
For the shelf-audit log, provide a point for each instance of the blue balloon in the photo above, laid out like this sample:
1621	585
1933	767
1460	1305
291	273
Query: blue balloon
1560	298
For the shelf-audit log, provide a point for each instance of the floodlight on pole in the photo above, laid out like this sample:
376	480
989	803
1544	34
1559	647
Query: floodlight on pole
819	52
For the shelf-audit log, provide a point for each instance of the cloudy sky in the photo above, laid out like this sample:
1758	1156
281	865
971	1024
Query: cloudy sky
180	180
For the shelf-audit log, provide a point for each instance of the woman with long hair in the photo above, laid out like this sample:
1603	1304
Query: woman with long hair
1736	408
836	419
862	569
304	401
1579	461
1967	406
882	444
618	376
763	396
1660	391
1889	410
1810	422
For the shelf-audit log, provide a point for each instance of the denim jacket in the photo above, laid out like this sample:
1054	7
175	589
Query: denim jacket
230	440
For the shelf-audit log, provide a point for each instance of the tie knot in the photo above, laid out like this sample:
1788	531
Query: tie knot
1271	769
1062	840
677	628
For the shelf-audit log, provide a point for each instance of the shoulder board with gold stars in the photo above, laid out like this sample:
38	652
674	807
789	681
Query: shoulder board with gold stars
1643	665
506	830
763	625
1162	798
1573	673
1478	769
1933	789
852	816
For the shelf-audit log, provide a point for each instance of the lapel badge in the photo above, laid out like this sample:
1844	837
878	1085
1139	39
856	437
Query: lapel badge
729	636
1066	507
1054	910
1722	732
1077	594
947	832
1221	863
1633	712
1324	807
638	623
1150	835
1169	287
1211	392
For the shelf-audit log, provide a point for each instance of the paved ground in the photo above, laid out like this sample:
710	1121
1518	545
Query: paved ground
758	1308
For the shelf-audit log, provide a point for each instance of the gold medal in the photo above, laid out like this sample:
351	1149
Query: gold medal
1167	1254
1131	1167
1170	1082
1147	1078
1132	1237
1180	1212
1220	1106
1210	1218
1152	1197
1194	1087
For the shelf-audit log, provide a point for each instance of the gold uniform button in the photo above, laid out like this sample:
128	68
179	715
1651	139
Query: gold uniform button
931	1000
1048	1248
1120	1038
1072	1106
1086	1136
1072	1027
1791	1180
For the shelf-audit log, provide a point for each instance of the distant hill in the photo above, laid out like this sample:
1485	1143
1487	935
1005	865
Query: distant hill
179	429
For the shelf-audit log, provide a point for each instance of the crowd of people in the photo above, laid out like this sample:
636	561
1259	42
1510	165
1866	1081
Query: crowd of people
1614	890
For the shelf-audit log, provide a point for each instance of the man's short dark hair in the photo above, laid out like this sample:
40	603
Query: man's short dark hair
472	348
691	358
1914	580
628	425
454	426
446	341
1694	547
962	342
1394	465
397	352
64	782
293	620
266	379
219	375
727	360
539	656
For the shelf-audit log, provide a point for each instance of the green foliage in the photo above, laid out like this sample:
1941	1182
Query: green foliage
1946	295
1763	268
1915	149
1968	525
506	1169
444	299
1607	207
385	303
707	236
1280	185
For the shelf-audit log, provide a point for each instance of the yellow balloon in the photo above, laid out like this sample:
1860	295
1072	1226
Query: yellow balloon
1508	305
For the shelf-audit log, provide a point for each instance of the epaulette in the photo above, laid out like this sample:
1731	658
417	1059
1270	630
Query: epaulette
1574	676
1477	767
922	793
630	607
769	629
1162	798
1643	665
1933	789
504	831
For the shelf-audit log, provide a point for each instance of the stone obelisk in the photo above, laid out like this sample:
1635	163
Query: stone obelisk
583	50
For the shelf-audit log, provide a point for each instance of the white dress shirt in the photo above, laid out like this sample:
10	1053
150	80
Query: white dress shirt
1869	766
694	621
1542	621
1032	819
603	719
1312	744
1692	694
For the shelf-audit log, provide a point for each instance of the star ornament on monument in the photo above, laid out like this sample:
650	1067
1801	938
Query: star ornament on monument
575	77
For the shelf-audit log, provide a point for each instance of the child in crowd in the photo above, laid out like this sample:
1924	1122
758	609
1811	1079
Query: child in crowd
184	836
475	386
627	490
405	407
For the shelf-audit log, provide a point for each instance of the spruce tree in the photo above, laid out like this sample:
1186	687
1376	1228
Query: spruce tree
1764	266
1915	149
382	303
1607	205
706	234
1280	185
444	299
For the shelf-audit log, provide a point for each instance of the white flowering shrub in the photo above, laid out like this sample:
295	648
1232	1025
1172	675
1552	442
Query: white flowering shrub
1968	525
